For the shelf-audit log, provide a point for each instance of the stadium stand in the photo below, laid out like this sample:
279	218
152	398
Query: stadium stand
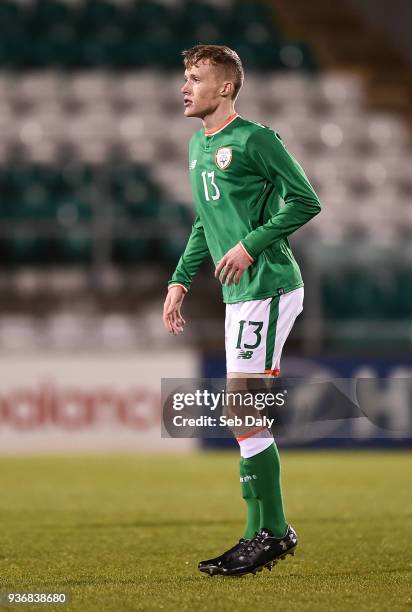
98	33
93	155
138	142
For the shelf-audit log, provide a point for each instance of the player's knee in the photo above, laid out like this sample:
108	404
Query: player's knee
245	405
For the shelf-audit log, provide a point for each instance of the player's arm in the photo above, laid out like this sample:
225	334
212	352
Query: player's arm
188	265
269	157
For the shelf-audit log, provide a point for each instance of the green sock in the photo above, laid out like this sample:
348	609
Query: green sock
252	504
265	471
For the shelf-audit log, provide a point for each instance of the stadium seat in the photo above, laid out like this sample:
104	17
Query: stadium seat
74	249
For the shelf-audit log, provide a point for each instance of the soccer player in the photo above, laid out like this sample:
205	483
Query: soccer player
250	194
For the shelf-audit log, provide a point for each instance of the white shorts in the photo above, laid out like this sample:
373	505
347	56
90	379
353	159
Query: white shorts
256	331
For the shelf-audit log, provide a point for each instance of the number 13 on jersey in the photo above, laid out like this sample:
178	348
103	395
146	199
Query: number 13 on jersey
209	177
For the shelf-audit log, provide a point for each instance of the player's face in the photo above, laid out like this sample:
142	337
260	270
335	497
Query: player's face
202	89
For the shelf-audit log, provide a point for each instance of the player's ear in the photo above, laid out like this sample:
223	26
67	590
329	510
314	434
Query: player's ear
227	89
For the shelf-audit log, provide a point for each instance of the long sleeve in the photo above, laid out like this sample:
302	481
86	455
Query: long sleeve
270	159
194	254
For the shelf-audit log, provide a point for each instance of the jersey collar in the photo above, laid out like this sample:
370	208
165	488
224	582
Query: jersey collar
222	126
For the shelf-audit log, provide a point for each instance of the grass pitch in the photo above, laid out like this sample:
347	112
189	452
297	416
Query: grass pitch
126	533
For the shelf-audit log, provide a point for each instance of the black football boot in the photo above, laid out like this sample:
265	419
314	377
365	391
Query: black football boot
264	550
215	566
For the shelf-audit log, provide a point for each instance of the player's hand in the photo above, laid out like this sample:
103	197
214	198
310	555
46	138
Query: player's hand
172	318
232	265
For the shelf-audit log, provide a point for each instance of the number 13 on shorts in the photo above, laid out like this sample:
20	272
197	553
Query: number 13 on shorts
256	331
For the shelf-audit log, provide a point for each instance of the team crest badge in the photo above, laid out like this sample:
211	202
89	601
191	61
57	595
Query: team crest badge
223	157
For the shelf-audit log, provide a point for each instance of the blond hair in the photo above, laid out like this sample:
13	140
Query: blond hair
218	55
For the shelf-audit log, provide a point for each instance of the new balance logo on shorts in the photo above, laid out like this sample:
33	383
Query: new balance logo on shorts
245	355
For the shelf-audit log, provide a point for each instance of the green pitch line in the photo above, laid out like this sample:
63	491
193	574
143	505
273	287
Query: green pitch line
126	533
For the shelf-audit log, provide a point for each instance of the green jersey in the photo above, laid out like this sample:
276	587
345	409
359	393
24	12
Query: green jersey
247	188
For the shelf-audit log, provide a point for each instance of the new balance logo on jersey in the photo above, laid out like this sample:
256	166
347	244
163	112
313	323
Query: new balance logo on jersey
192	164
248	478
245	355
